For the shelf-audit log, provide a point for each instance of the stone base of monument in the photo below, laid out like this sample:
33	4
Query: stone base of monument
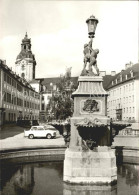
70	189
96	167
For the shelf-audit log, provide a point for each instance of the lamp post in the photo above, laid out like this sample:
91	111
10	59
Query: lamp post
31	116
90	54
92	24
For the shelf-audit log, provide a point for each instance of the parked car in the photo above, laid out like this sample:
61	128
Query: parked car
40	131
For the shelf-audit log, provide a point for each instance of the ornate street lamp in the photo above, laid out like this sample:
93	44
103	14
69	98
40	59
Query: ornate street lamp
90	54
92	24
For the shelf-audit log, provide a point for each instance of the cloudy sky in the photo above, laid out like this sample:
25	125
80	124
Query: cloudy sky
58	31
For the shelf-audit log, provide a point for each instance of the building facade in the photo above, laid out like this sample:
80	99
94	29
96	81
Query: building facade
25	61
123	103
18	99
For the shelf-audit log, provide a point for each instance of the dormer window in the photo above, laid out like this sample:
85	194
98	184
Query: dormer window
126	76
120	77
112	82
131	72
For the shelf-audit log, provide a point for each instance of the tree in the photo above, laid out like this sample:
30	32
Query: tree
61	103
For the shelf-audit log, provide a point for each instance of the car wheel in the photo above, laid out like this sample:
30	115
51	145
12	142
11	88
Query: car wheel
31	136
48	136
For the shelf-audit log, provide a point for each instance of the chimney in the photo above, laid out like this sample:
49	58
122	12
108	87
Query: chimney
128	65
131	72
102	73
113	73
121	77
4	62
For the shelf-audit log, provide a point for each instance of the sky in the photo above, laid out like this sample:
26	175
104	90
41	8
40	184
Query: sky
58	32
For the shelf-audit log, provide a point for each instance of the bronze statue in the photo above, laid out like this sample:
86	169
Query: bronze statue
90	56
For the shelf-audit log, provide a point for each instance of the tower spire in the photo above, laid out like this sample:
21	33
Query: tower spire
25	61
26	35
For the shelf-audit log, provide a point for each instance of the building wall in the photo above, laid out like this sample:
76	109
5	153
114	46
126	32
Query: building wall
23	67
17	99
36	86
136	97
124	96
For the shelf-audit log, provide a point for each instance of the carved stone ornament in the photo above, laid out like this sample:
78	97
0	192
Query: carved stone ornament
91	106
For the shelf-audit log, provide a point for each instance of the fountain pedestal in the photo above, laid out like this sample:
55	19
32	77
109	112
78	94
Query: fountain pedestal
89	158
90	167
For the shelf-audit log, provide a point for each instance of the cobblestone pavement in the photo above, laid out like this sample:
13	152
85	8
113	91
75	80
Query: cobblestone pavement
12	137
10	130
19	141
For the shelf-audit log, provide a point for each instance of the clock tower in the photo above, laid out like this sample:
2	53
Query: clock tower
25	61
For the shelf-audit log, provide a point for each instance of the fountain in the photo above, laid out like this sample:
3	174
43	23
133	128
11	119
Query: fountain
89	158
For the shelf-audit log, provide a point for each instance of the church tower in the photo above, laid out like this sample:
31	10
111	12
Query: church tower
25	61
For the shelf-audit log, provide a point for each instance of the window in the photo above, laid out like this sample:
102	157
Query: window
40	128
133	109
5	97
132	86
10	80
15	100
12	99
127	110
4	76
34	128
126	99
19	88
8	98
129	99
129	87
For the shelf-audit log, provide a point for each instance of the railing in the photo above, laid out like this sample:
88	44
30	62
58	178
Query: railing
129	132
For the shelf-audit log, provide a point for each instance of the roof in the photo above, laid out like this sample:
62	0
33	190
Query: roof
55	80
21	80
46	81
26	52
107	80
33	81
122	74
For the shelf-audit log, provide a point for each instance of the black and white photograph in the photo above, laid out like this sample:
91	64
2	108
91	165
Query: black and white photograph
69	106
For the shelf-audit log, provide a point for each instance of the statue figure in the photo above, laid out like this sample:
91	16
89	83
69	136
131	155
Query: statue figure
90	56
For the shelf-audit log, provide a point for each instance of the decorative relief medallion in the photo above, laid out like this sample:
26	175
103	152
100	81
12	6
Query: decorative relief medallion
90	106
